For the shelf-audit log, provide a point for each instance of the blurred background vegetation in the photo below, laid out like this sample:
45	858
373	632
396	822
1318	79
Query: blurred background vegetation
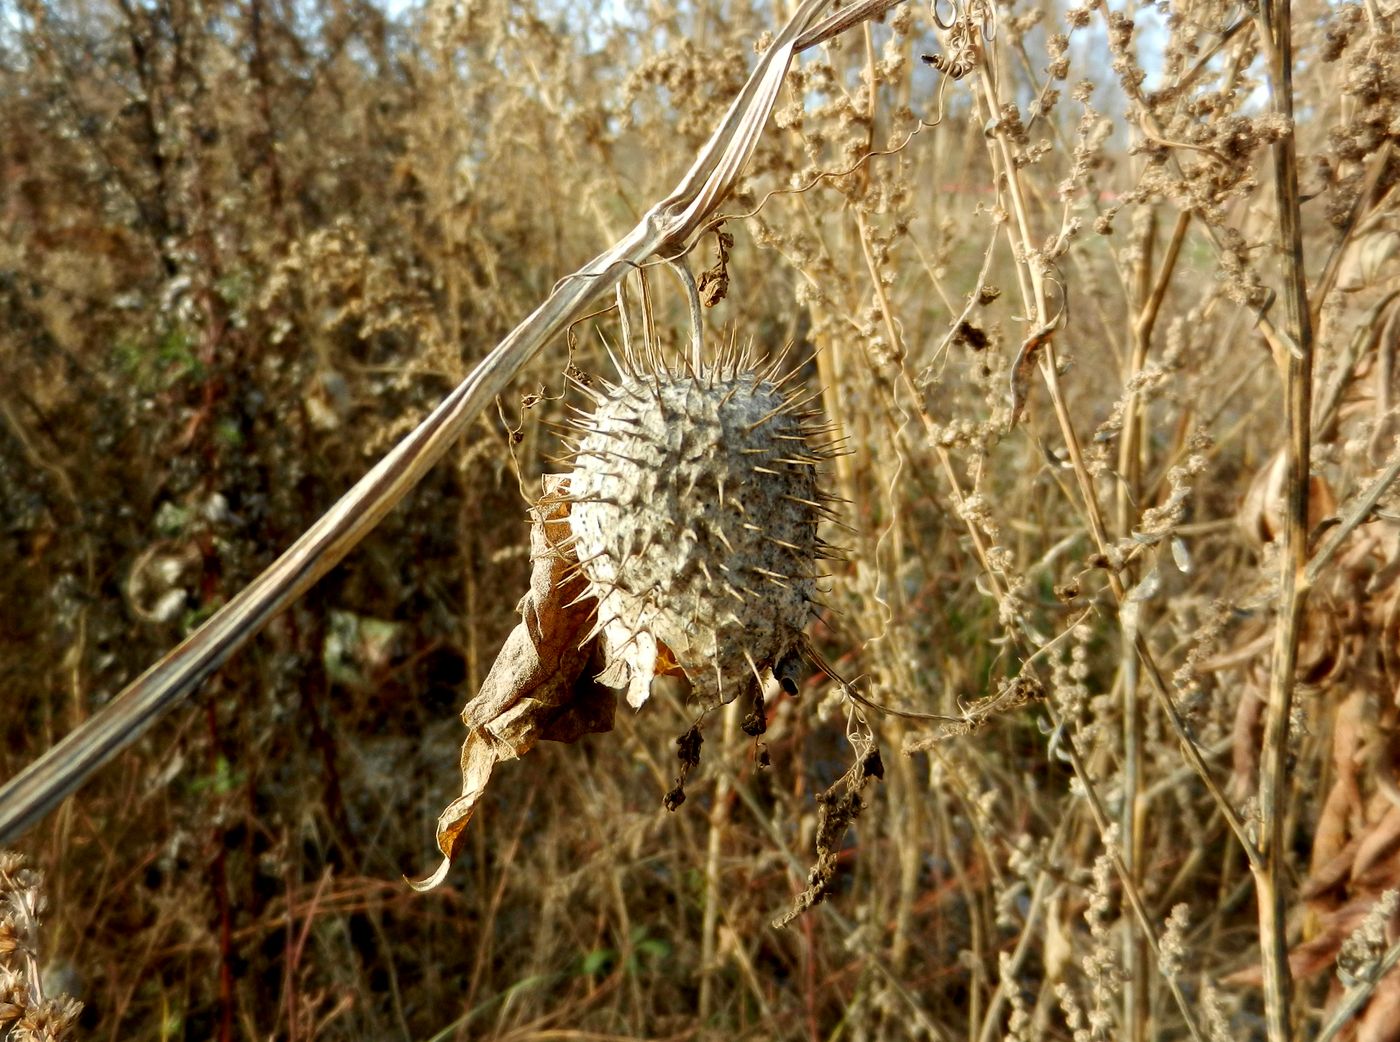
246	245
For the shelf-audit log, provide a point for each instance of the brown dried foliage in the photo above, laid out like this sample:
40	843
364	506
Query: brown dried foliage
244	247
542	685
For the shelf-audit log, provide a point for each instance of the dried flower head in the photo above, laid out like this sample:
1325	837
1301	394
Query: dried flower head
26	1015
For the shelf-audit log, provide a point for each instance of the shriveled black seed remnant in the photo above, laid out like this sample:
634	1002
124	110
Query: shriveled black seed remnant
757	721
688	747
688	752
970	335
873	766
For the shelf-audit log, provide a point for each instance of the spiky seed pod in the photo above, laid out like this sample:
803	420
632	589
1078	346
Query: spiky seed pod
695	511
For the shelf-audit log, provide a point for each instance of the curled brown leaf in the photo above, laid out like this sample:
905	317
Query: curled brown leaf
542	685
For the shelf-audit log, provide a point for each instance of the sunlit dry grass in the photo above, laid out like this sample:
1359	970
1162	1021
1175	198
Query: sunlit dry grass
246	247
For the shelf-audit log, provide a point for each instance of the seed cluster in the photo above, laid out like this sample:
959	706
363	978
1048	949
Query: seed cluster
695	508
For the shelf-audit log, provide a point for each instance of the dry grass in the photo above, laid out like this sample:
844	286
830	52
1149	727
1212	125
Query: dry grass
246	247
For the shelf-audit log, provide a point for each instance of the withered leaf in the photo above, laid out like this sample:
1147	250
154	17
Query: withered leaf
1343	804
837	808
1024	364
541	685
714	280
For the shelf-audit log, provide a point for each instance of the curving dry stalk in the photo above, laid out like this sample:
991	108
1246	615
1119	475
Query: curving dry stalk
665	229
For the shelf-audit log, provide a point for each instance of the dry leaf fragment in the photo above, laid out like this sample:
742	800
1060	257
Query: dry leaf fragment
1261	515
714	280
541	685
837	808
688	752
1022	367
1377	850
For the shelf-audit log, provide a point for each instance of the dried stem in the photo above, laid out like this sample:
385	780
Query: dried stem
1276	28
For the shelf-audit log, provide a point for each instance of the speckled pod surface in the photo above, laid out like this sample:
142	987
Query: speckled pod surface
696	503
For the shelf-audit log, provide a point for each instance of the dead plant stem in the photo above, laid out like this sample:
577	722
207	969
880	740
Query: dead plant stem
1192	752
714	848
1036	907
1276	29
1037	308
1151	292
1131	892
763	818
